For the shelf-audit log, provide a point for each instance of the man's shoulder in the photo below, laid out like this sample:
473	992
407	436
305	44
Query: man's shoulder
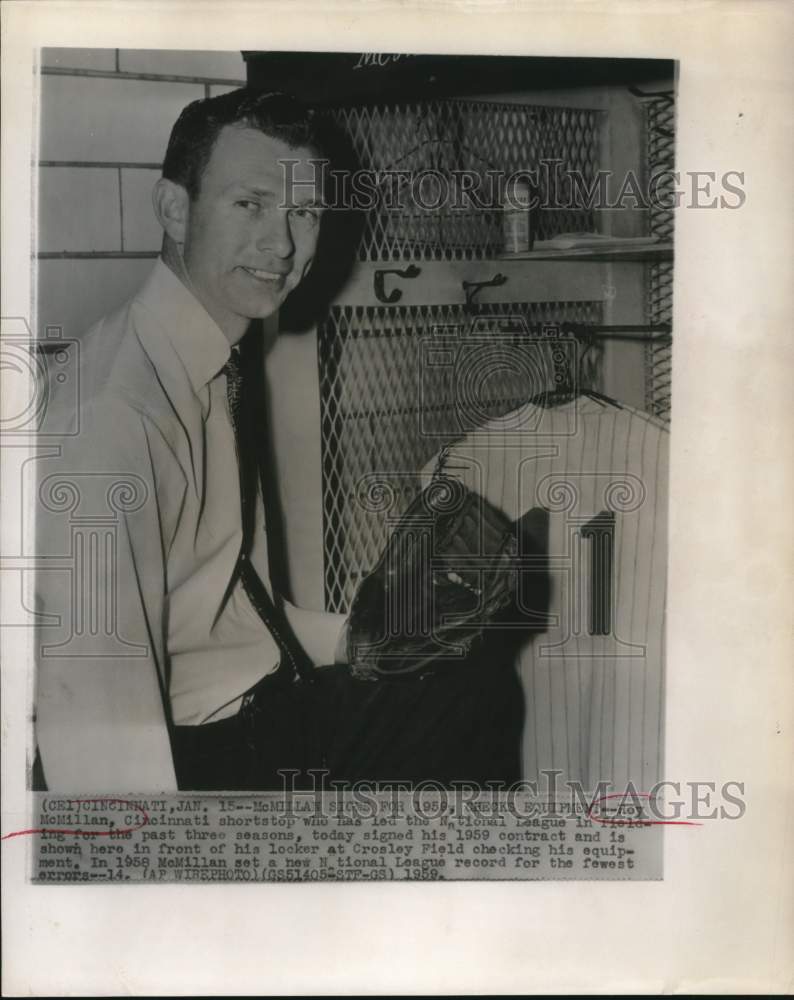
111	372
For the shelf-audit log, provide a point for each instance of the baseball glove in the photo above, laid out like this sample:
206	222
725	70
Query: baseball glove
447	575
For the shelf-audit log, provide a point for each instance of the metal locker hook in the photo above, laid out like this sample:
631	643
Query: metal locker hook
412	271
472	288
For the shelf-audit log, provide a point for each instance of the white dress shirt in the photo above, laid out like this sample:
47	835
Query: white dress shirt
139	516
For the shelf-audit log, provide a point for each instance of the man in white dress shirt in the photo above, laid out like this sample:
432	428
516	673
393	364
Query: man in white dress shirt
151	643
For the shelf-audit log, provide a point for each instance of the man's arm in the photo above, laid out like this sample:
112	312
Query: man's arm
100	715
321	633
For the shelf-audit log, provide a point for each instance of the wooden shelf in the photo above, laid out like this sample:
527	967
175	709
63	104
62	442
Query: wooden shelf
650	253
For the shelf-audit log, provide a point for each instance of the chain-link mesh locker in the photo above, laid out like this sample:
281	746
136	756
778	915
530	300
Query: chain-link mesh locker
426	209
389	403
660	153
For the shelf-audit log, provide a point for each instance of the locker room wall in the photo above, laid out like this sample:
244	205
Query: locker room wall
105	116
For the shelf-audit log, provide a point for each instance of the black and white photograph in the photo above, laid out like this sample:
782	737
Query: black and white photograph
367	514
361	465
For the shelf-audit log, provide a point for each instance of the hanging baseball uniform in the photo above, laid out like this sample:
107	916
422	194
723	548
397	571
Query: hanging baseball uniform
589	478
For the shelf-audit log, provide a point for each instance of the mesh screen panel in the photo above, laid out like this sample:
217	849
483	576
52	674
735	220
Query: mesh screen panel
442	217
389	404
660	152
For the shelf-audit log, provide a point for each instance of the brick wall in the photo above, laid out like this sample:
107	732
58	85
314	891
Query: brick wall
105	117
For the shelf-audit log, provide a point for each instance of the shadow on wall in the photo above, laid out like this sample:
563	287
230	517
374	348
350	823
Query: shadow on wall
340	236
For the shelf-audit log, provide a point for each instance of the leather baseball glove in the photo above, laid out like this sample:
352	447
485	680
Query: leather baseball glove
447	576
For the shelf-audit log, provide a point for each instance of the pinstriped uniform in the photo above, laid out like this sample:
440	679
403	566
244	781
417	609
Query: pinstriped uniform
594	476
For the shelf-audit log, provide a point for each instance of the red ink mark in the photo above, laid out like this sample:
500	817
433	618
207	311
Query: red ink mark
90	833
614	821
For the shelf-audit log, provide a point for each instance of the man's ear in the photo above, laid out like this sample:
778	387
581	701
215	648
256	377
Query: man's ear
171	206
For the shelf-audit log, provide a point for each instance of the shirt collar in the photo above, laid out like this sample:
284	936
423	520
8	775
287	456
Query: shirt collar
194	335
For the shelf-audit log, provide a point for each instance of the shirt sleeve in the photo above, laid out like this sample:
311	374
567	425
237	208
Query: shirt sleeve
102	536
319	632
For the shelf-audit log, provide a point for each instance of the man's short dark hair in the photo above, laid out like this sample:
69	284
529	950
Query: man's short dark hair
198	126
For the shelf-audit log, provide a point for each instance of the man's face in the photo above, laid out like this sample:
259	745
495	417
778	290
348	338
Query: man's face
248	241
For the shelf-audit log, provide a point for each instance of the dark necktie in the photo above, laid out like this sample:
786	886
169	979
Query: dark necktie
238	393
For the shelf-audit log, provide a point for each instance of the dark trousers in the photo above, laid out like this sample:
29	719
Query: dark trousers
213	757
272	731
460	724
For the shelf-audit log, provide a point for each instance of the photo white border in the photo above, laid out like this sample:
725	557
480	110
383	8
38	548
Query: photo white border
722	919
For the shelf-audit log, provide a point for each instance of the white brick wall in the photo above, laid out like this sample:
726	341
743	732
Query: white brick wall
219	89
97	118
79	209
141	228
220	65
79	58
74	294
101	142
